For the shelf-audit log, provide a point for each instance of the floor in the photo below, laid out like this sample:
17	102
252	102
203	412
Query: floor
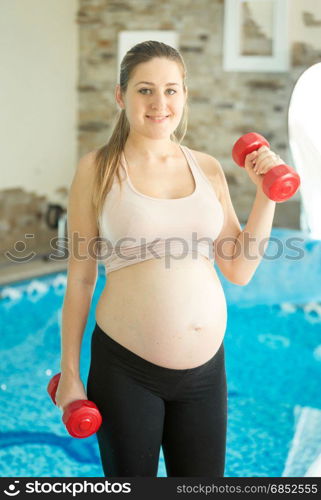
13	272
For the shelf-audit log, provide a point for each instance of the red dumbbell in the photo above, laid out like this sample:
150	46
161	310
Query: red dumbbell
81	417
280	182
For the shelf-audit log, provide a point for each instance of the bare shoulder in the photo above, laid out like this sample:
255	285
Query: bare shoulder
87	162
85	171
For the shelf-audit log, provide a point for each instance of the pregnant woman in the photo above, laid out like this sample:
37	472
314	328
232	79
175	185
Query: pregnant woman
161	213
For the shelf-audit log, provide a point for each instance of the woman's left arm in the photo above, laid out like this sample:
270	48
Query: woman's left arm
252	241
238	252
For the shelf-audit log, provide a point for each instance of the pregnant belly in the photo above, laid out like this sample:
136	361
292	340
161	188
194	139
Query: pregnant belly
172	317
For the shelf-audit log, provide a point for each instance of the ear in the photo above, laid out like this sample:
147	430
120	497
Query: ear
118	96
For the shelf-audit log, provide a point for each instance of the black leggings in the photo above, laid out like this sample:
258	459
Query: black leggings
145	406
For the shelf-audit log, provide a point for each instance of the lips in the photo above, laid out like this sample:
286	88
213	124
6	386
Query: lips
157	118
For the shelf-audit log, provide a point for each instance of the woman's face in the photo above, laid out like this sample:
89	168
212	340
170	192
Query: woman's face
154	99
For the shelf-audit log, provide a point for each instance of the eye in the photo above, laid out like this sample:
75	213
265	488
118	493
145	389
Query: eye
150	89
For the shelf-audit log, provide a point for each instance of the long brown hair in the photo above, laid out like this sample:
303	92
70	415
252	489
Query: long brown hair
107	158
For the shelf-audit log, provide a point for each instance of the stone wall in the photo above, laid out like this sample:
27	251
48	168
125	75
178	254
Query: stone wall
222	105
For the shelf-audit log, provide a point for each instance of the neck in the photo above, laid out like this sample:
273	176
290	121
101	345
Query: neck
150	149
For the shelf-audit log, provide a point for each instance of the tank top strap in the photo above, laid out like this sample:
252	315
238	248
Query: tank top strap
198	172
122	162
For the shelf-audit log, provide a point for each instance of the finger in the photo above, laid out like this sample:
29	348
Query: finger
262	162
268	160
263	149
263	171
251	156
251	159
264	154
269	154
264	158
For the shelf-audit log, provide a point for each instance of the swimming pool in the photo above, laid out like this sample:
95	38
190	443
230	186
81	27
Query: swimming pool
273	365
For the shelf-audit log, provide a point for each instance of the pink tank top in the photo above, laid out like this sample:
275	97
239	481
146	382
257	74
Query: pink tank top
134	227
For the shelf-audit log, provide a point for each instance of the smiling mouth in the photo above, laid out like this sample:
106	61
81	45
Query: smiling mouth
157	118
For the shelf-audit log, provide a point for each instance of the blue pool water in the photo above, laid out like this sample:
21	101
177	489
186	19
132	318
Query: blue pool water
273	365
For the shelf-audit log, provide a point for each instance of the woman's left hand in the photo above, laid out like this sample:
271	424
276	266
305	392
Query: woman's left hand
259	162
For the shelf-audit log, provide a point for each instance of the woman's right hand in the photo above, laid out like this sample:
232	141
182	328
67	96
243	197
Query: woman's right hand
70	388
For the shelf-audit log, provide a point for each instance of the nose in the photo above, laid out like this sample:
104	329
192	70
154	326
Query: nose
159	102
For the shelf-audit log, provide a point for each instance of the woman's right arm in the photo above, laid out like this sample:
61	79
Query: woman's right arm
81	279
